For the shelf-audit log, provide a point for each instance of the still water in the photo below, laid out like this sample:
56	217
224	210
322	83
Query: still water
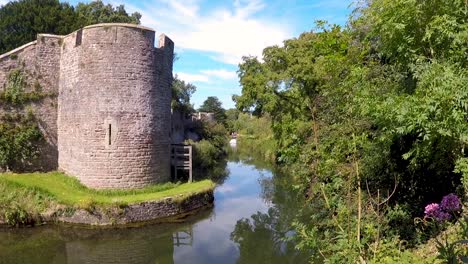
249	223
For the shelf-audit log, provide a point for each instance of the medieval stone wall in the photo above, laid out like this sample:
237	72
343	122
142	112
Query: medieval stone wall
114	106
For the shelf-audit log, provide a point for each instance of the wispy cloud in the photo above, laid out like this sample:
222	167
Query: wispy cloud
227	32
222	74
191	78
208	76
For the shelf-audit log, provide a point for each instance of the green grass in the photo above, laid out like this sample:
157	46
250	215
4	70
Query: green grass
69	191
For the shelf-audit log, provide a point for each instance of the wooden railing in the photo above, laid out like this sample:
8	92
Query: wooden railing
181	159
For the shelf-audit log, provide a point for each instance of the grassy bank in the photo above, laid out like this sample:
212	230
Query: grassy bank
23	197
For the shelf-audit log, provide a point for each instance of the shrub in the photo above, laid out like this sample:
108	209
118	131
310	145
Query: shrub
19	140
205	154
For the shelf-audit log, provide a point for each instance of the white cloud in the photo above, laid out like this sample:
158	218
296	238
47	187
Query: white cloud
189	77
221	74
207	76
227	33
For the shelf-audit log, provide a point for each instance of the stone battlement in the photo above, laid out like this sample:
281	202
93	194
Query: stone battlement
112	117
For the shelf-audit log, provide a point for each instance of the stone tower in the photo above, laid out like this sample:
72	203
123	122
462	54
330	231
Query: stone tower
107	116
114	117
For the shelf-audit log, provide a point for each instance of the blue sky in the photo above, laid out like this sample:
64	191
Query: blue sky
212	36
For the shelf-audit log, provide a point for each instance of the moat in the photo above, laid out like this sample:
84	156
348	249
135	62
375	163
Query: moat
249	223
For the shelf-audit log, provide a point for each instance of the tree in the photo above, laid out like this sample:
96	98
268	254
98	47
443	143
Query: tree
232	115
21	21
96	12
181	94
213	105
381	103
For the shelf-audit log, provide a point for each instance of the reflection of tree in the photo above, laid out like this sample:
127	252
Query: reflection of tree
218	174
246	156
266	237
262	239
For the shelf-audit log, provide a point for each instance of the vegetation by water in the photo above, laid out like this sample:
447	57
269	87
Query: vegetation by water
24	196
210	150
370	120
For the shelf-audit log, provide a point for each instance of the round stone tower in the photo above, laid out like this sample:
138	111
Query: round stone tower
114	117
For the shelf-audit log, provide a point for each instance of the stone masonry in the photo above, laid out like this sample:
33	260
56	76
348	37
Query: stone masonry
110	124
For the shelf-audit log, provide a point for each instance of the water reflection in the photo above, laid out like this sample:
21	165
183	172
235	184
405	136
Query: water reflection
249	223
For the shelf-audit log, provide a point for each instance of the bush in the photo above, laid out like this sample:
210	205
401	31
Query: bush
208	152
21	206
205	154
19	140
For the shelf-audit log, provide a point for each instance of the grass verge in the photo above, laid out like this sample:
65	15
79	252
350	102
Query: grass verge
69	191
23	197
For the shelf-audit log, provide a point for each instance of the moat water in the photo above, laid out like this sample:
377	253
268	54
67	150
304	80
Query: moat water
249	223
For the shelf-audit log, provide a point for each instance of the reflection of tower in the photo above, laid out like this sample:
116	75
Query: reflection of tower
122	246
183	237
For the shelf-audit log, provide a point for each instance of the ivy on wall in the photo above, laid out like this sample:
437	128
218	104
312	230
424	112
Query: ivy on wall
15	90
20	136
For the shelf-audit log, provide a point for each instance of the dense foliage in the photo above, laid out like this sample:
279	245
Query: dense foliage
20	135
211	149
372	119
21	21
19	140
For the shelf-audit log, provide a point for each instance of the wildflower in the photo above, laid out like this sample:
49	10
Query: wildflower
450	203
431	210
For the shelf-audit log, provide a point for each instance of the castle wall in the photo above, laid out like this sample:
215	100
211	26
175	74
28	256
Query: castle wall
38	62
114	106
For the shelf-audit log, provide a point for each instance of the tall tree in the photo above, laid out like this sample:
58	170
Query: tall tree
213	105
97	12
21	21
181	93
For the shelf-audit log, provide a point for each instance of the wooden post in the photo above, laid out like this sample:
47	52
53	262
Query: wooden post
190	163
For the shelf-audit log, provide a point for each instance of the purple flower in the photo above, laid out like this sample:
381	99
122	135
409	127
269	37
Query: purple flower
434	211
450	203
442	216
431	210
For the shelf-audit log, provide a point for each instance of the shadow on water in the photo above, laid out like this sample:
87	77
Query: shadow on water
250	223
65	244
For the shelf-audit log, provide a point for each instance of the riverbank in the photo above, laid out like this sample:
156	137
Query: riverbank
40	198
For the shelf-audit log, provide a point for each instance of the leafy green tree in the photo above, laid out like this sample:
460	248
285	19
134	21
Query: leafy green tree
232	115
382	103
403	31
97	12
292	82
213	105
181	94
21	21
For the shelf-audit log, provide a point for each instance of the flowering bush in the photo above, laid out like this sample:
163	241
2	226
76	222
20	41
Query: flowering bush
449	205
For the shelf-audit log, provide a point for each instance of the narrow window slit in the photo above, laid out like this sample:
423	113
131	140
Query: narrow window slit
110	134
79	36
